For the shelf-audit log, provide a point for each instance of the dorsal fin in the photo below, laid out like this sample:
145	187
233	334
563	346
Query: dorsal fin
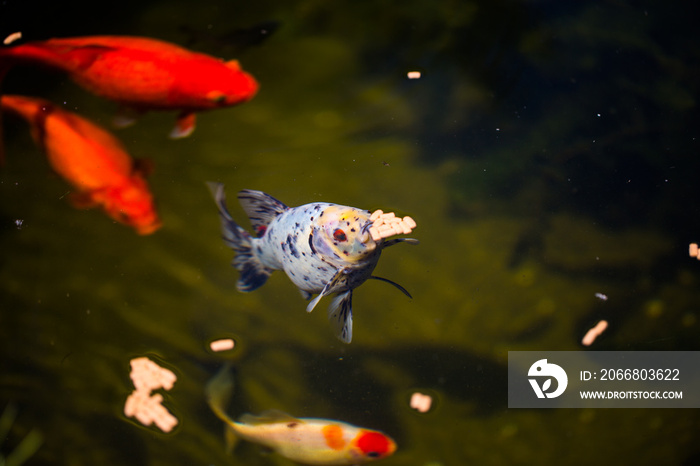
261	209
270	416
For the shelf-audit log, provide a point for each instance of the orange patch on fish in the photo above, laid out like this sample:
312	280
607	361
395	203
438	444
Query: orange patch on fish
333	434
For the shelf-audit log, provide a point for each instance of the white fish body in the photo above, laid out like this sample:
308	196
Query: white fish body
323	248
306	440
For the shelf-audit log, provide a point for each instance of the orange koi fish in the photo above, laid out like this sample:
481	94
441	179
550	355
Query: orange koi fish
92	160
308	441
141	74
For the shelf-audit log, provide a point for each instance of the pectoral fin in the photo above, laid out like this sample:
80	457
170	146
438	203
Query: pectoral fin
84	199
340	316
326	289
144	167
125	117
184	126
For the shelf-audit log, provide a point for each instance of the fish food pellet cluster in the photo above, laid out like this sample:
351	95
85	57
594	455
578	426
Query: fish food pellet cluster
388	224
421	402
141	404
693	250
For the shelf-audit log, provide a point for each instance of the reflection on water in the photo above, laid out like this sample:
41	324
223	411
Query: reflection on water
547	154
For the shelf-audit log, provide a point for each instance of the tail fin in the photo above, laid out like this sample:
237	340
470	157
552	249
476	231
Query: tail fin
253	273
218	393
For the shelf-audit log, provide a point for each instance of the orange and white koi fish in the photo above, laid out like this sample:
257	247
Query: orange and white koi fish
92	160
141	73
308	441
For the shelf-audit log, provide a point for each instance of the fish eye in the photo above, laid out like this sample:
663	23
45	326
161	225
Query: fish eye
339	235
217	97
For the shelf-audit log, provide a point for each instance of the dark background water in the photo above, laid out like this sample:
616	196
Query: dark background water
548	153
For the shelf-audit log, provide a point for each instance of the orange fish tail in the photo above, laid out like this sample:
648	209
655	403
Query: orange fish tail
32	53
31	109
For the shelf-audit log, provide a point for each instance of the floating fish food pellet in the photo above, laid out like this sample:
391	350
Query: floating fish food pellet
594	333
388	224
12	37
224	344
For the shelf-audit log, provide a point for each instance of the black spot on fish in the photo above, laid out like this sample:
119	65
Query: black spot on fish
284	247
291	242
311	243
306	278
292	425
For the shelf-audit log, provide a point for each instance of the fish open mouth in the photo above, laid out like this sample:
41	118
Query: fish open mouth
364	231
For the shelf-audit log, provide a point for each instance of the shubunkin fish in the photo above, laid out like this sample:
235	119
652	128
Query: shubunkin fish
305	440
141	73
323	248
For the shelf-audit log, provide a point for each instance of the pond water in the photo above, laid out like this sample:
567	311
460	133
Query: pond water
548	152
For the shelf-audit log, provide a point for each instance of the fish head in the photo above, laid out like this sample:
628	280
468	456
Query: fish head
342	233
235	86
133	205
371	445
